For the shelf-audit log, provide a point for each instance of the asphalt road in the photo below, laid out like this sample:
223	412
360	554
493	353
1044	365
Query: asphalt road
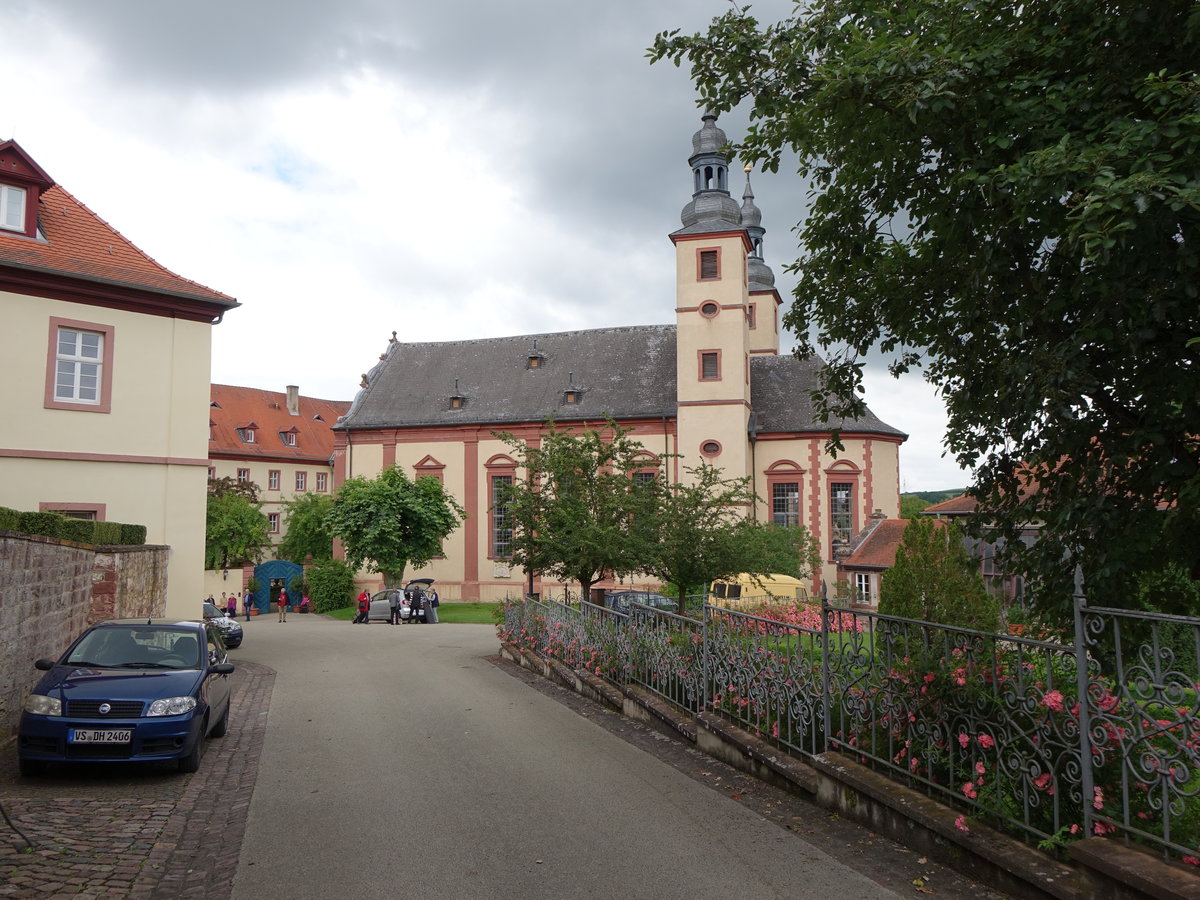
403	761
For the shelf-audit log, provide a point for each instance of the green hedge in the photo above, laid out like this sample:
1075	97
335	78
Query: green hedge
66	528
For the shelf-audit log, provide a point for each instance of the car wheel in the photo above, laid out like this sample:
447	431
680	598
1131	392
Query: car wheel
220	729
31	767
191	762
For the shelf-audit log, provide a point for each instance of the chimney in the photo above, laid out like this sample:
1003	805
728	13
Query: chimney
293	400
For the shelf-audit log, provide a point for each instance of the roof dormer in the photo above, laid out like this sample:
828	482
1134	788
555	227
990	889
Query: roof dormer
21	184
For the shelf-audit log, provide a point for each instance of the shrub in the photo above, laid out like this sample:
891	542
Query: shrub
132	535
81	530
47	524
106	532
330	585
10	519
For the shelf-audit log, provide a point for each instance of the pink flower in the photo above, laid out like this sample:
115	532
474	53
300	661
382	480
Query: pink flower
961	824
980	768
1075	829
1191	860
929	677
1041	781
964	740
986	741
1103	828
1053	701
1098	798
968	790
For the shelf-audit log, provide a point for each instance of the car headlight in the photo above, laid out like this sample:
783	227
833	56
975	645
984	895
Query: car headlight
172	706
40	705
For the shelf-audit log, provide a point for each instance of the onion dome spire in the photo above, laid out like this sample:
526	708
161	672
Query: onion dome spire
759	274
711	207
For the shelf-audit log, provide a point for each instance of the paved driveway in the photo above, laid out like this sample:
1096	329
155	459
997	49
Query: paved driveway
383	761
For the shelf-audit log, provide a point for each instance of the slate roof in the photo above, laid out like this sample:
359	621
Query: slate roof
81	244
237	407
627	373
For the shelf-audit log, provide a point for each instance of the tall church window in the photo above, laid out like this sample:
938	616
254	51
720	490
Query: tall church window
841	511
785	503
502	529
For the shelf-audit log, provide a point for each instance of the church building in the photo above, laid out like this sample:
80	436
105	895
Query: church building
711	387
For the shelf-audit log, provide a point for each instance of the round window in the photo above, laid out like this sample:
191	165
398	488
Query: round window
710	448
708	309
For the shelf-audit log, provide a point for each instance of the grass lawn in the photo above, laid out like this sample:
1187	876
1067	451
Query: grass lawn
448	612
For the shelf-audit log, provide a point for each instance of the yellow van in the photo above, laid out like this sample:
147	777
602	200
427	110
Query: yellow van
747	591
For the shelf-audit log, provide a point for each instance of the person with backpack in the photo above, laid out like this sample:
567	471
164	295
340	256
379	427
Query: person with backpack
364	607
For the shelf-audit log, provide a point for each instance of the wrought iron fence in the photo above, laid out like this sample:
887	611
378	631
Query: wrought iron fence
1094	730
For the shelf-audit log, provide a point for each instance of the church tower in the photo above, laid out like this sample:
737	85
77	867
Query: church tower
713	347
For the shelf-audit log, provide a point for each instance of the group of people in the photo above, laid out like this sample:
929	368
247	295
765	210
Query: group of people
229	603
422	606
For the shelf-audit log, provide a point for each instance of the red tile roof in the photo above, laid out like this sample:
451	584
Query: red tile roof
956	506
236	407
80	243
878	549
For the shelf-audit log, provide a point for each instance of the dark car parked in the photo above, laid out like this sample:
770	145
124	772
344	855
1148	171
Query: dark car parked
231	631
131	690
621	601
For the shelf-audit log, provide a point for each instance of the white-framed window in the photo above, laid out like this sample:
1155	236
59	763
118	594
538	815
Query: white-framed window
273	523
246	434
862	587
302	481
12	208
273	480
243	475
785	503
322	481
79	369
502	523
289	438
841	511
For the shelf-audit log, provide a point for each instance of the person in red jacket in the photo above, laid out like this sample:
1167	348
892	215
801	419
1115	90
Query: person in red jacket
364	607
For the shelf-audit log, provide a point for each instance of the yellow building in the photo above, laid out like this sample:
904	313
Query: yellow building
713	387
108	356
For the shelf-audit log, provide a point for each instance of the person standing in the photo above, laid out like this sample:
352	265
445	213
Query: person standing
431	605
246	601
394	605
364	607
283	604
231	606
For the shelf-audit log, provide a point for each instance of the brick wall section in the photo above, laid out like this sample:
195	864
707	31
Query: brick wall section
51	590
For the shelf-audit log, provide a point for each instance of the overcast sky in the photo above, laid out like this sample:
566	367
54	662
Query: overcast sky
457	169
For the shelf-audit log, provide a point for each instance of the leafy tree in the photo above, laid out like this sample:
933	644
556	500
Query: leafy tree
574	507
330	585
308	532
933	579
227	484
235	531
1006	195
696	531
390	522
911	506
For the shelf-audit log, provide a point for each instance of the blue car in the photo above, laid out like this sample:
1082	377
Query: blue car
132	690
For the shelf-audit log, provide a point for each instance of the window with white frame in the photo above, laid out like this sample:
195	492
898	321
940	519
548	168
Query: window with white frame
862	587
273	523
785	503
322	481
79	366
302	481
12	208
289	438
841	511
502	529
273	480
243	475
246	434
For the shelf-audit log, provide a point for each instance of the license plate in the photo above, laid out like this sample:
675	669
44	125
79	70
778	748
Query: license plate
99	736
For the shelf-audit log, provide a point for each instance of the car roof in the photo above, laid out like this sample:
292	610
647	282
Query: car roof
152	623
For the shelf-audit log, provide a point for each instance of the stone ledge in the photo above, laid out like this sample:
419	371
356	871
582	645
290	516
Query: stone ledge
1144	872
646	706
795	773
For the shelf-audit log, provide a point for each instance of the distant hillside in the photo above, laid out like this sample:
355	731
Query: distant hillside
912	504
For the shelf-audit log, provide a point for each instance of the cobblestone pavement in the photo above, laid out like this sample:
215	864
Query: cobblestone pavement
137	832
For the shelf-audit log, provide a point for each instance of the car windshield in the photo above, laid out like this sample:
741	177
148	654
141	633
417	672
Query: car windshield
136	647
211	611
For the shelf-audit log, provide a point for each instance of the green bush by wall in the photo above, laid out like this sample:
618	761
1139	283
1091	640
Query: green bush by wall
66	528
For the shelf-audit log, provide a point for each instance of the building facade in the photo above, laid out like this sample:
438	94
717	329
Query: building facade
712	387
110	353
280	441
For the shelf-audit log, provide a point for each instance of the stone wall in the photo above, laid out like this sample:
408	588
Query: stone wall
51	590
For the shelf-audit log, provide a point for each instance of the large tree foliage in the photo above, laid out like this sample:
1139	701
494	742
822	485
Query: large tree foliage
1006	195
934	580
574	503
308	531
235	531
390	522
696	531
